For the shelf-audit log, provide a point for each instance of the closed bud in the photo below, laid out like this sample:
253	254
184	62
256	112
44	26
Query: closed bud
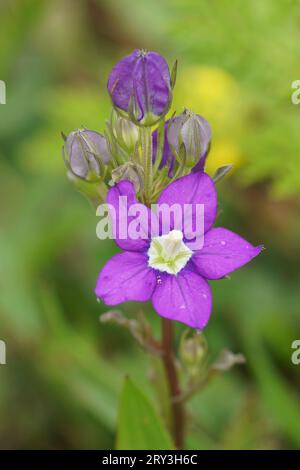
85	154
193	131
126	133
131	172
140	85
193	349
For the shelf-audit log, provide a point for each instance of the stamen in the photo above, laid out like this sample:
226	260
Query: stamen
168	253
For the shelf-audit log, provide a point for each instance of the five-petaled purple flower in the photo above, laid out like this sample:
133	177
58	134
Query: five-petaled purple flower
165	268
143	80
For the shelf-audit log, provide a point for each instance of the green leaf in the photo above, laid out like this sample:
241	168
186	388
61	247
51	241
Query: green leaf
139	426
221	172
174	74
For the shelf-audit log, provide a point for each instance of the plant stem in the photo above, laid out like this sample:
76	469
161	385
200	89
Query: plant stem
178	418
146	139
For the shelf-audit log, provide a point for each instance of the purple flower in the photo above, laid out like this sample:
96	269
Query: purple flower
194	132
165	268
142	78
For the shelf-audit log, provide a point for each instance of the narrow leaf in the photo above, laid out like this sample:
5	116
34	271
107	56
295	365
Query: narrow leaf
221	172
139	426
174	74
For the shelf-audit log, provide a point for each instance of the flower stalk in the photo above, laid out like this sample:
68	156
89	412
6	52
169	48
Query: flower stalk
146	158
146	140
177	408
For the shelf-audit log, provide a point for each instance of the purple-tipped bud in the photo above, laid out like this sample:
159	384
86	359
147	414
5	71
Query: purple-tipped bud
140	85
193	131
87	151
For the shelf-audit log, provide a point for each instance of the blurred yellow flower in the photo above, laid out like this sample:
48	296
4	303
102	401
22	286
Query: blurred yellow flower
214	94
209	91
223	153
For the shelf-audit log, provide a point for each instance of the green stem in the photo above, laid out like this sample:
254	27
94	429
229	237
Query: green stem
146	139
160	145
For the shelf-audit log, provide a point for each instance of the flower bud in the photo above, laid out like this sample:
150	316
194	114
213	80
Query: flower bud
193	349
193	131
129	171
126	133
87	152
140	85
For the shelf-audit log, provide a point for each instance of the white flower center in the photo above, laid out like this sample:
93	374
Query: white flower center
168	253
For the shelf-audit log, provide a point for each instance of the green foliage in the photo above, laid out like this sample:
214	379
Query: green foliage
64	369
139	426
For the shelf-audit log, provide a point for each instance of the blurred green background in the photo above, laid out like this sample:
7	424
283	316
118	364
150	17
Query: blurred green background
237	60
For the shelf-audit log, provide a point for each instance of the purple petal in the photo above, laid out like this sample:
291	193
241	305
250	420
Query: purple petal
222	253
185	298
193	189
122	197
120	82
86	149
205	138
99	144
125	277
80	159
195	133
174	131
144	76
152	84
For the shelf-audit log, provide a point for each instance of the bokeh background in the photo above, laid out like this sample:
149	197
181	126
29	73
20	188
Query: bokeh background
61	385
